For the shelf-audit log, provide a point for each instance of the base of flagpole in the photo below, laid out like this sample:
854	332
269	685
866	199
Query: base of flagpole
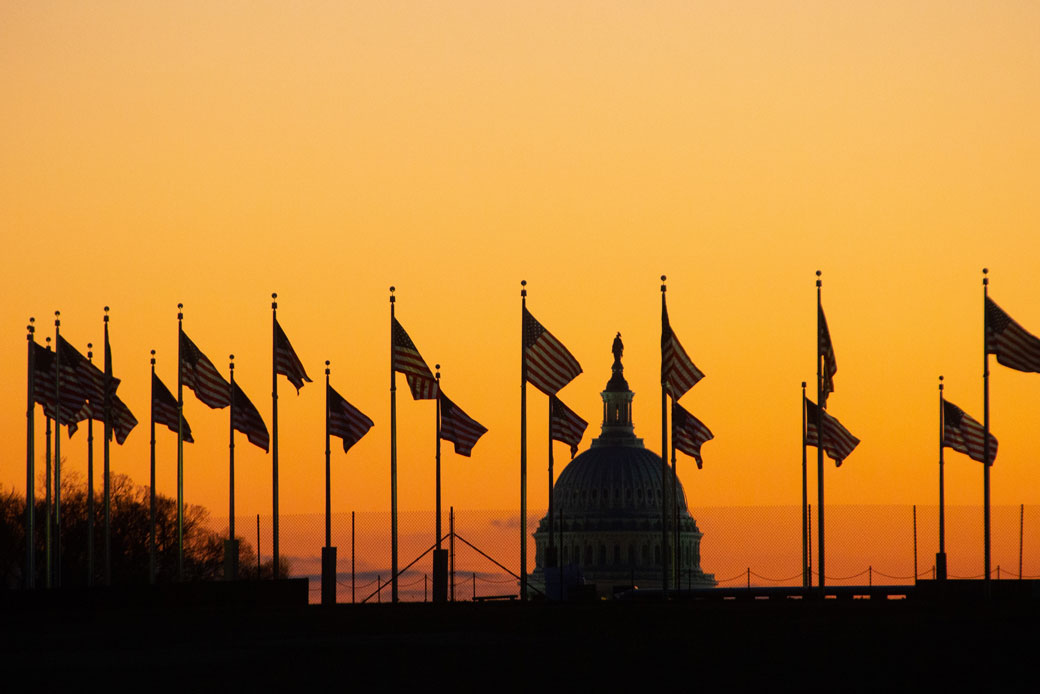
230	560
440	575
940	566
328	575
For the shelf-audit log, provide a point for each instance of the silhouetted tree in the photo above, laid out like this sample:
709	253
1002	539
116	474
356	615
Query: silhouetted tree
203	547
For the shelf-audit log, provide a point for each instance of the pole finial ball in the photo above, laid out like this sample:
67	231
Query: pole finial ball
106	309
231	356
985	271
180	306
327	362
31	319
392	289
57	313
940	377
664	278
274	295
523	283
437	366
153	352
818	273
90	345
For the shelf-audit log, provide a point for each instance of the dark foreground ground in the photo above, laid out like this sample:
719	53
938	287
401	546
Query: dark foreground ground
866	645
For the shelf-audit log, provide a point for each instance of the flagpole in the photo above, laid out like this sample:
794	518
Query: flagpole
440	555
48	525
180	444
151	488
106	453
806	577
231	554
550	559
437	428
328	464
90	484
274	431
940	558
30	462
985	444
664	459
328	552
677	573
523	446
393	459
819	436
57	450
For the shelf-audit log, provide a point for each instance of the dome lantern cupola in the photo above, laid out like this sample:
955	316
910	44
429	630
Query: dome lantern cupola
617	429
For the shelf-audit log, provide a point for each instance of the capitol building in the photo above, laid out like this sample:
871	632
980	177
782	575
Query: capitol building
607	510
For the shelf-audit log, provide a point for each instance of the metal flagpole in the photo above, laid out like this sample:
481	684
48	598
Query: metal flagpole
819	435
328	552
106	453
57	450
90	484
180	444
393	458
664	460
806	577
274	433
231	546
151	487
677	573
940	558
440	555
30	462
550	553
985	444
523	446
48	525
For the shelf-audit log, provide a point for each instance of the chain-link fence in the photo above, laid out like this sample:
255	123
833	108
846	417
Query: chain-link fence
756	545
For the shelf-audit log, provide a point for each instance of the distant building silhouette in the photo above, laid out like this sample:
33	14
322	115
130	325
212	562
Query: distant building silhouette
609	499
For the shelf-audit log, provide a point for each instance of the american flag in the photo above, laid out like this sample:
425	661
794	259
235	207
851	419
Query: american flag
246	419
73	393
123	420
164	409
345	420
458	427
688	433
837	440
1014	347
964	434
549	365
826	350
199	374
678	372
564	425
407	360
285	360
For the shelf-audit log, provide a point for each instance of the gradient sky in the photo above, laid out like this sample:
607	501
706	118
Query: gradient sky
211	153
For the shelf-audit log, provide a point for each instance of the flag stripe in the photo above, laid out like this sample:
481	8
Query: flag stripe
826	350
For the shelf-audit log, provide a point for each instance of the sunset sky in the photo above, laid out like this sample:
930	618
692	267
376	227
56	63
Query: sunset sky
213	152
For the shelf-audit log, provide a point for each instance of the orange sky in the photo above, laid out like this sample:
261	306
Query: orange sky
211	153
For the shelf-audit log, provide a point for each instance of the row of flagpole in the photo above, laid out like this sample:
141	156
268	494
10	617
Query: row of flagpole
545	363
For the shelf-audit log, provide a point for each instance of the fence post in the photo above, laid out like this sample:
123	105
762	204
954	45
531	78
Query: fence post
749	578
870	576
425	597
474	586
379	588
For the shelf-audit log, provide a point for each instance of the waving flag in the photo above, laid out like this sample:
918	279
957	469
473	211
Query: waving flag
964	434
164	409
678	372
1013	346
688	433
123	420
837	440
246	419
565	426
285	360
345	420
199	374
549	365
826	350
407	360
458	427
